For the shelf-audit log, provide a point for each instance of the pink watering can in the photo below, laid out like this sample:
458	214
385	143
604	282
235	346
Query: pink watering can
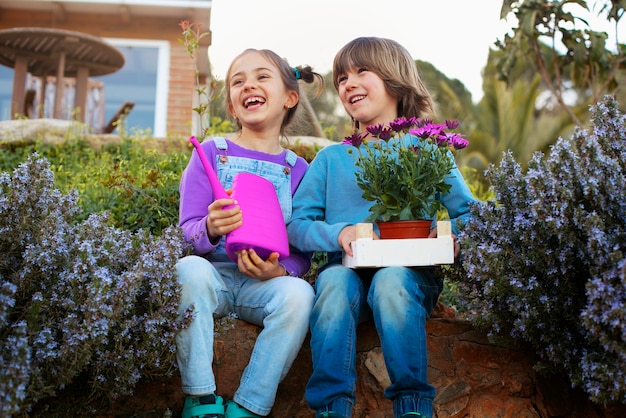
263	228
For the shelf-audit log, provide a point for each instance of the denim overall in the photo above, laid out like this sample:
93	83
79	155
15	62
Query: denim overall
280	176
215	286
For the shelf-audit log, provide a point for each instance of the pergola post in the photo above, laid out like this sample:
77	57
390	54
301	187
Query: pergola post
19	87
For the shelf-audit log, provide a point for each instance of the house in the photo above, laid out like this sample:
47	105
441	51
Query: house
158	74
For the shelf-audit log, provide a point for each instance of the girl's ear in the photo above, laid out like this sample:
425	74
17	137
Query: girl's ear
292	99
231	110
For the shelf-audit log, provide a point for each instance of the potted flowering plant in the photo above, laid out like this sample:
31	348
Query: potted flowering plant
404	167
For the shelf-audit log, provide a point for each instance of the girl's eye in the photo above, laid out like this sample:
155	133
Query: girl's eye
236	82
262	76
362	69
341	78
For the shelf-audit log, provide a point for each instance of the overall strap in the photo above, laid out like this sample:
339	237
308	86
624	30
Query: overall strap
220	143
222	147
291	158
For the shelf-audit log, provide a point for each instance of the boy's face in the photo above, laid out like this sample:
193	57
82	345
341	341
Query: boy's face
258	95
365	98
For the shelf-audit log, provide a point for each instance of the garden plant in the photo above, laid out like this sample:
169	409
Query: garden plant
544	263
81	301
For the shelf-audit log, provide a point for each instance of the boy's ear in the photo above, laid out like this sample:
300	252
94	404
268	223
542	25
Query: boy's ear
292	99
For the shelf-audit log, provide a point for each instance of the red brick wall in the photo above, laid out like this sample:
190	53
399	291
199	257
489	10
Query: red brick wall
181	90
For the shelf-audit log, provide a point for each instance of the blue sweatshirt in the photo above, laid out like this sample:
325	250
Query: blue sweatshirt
329	199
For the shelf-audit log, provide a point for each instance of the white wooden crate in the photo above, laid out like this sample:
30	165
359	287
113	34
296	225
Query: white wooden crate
369	252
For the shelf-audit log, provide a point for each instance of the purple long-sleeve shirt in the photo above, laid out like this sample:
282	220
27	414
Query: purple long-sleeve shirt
196	195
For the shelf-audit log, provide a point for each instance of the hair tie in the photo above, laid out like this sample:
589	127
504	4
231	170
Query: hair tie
298	75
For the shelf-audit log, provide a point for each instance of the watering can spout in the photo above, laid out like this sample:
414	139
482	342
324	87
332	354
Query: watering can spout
218	189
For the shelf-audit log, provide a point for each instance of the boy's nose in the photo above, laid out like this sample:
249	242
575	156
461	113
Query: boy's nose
351	81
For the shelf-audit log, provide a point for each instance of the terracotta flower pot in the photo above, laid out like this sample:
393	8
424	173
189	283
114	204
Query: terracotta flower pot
404	229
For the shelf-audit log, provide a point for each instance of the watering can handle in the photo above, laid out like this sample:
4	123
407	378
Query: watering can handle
218	189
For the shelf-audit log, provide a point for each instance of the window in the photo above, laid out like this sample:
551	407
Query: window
6	87
144	80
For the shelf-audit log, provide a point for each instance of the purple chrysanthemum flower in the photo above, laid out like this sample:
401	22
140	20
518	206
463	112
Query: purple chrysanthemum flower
423	122
453	139
385	134
444	139
458	141
355	139
452	124
428	130
375	129
399	124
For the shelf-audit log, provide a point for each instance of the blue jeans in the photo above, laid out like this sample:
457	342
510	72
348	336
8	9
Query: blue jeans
281	305
400	300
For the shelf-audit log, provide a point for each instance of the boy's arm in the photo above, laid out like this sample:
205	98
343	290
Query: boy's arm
458	200
308	230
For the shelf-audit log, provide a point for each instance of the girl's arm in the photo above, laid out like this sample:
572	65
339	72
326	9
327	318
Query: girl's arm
195	197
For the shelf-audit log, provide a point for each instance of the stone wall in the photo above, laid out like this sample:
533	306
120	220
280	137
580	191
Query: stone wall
474	378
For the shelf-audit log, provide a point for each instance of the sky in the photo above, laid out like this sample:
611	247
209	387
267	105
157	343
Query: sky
453	35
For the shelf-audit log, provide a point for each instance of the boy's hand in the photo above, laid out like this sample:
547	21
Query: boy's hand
457	245
346	236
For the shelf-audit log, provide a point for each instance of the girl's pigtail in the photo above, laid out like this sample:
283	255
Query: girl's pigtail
306	74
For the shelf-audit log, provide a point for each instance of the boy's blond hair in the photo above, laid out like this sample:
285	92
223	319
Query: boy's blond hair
394	65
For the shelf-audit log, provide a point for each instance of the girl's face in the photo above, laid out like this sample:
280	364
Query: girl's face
258	97
365	98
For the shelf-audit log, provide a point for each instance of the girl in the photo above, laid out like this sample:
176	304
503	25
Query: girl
377	82
262	93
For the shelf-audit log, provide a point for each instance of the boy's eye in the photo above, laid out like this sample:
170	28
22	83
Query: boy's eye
362	69
341	78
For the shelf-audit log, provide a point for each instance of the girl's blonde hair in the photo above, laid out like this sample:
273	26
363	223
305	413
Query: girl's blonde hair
289	75
394	65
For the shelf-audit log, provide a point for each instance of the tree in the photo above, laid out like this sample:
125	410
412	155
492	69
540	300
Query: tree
567	58
451	97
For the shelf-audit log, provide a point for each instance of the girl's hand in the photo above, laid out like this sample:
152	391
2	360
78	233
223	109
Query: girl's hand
457	245
253	266
221	221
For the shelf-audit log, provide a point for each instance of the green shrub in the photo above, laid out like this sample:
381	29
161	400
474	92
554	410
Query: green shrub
545	265
136	184
79	298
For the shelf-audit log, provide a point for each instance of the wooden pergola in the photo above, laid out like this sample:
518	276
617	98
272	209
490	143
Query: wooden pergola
63	53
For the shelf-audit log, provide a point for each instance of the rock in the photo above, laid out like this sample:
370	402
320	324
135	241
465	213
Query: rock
46	130
474	378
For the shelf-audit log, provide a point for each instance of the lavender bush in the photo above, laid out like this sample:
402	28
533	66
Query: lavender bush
546	264
78	299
